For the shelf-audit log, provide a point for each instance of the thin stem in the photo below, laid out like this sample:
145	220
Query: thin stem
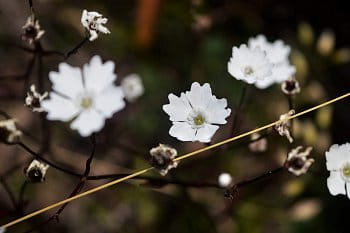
9	192
20	205
232	191
37	156
238	110
77	188
76	48
258	178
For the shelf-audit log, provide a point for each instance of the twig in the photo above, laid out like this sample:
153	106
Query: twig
76	48
238	109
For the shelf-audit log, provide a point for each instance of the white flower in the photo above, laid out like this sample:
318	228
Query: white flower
298	162
132	87
225	180
162	158
277	53
32	30
87	95
93	22
34	99
249	64
36	171
196	114
8	131
338	163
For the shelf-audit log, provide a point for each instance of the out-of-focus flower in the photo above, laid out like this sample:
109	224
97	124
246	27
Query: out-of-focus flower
324	117
277	53
305	209
342	55
305	34
36	171
338	163
162	158
87	95
225	180
8	131
290	87
196	114
132	87
326	42
93	22
298	162
34	99
301	64
283	126
249	64
258	145
32	31
201	22
2	230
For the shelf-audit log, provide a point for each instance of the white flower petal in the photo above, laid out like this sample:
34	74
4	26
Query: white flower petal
336	184
98	75
59	108
110	101
93	35
67	81
348	189
337	156
205	133
199	95
216	111
178	108
87	122
182	131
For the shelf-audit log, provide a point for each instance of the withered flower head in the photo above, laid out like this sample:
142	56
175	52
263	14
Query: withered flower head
8	131
283	126
34	98
298	162
36	171
32	31
162	158
290	87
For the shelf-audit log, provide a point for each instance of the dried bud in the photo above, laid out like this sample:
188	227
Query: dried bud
8	131
162	158
33	99
283	126
257	145
225	180
36	171
290	87
32	31
298	162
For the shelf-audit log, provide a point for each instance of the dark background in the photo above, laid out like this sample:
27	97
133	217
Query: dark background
172	44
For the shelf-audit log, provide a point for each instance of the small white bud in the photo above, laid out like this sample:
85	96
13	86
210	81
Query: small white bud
225	180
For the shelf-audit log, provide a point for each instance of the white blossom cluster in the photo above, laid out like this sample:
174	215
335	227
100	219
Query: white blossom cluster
261	63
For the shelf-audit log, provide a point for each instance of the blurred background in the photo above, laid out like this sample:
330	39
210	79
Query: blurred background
170	44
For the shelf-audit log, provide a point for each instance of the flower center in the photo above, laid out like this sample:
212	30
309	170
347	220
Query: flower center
346	172
86	102
248	71
198	120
